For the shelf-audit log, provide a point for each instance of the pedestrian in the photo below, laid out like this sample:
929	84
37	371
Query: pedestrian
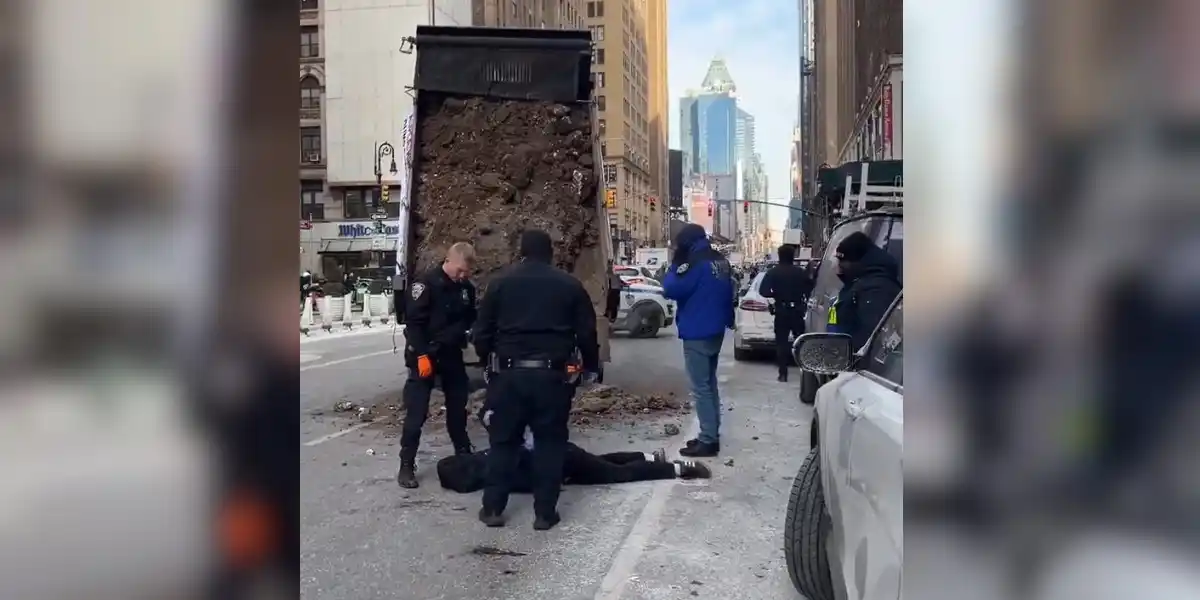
870	282
700	281
790	286
531	322
612	304
439	311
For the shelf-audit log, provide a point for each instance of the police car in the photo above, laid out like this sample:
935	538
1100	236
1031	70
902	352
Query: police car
644	310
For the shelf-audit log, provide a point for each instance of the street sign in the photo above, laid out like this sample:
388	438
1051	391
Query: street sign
305	224
378	242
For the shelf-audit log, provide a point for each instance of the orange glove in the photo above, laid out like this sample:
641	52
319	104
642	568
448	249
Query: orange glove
424	366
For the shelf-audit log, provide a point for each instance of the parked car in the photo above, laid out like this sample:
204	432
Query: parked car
754	319
844	533
886	228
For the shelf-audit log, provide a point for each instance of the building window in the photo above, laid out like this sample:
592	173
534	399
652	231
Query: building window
599	79
591	9
603	126
310	144
598	33
310	92
309	4
599	56
601	104
610	176
358	203
311	207
310	42
600	8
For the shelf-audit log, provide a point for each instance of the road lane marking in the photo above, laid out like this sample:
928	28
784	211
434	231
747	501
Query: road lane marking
335	435
646	528
339	335
339	361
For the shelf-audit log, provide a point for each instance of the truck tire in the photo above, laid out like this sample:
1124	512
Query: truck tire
805	532
808	387
742	354
645	321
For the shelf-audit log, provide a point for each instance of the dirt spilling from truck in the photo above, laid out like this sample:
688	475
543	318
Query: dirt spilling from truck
489	169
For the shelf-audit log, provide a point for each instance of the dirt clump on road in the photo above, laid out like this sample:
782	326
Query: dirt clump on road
489	169
599	403
604	401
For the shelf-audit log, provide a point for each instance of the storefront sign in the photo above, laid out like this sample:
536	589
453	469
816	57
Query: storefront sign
357	230
887	120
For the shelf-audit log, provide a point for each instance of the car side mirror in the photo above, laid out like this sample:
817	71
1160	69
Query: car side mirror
823	353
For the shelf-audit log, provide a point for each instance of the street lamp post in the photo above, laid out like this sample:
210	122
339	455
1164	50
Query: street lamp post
383	150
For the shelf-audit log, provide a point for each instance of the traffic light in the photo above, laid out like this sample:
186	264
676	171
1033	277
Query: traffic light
653	203
746	208
610	198
383	194
710	209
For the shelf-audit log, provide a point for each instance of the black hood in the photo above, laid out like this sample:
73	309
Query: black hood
536	246
875	263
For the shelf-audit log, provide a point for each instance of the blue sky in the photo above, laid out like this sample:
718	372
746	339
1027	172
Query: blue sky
759	40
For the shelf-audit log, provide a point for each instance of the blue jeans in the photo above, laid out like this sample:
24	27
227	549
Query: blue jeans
700	359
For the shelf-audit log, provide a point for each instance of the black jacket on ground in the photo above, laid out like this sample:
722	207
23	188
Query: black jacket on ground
868	289
535	311
438	314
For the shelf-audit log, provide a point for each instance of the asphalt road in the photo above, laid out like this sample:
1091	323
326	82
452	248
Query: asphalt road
366	538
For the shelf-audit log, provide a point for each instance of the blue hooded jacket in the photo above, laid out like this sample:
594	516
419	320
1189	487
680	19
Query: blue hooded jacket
701	281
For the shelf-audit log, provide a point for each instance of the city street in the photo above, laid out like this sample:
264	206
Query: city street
366	538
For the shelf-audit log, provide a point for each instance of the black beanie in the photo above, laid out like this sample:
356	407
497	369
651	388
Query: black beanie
536	245
854	247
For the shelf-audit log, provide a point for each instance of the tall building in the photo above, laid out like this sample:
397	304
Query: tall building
630	90
857	78
709	123
313	193
540	14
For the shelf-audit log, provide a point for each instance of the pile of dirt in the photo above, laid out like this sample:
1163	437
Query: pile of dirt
599	403
489	169
607	401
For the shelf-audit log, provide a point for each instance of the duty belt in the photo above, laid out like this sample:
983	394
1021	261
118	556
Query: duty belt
786	304
522	363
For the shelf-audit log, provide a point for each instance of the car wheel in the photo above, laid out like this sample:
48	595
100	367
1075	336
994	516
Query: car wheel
808	387
805	532
646	322
741	354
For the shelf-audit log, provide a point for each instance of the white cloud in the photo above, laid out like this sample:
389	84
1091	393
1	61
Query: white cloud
759	40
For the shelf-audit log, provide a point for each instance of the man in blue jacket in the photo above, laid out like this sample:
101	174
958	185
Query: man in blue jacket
700	280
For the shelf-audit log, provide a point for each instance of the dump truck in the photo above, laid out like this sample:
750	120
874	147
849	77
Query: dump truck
503	138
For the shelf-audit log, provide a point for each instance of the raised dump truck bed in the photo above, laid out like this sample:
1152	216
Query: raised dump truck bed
503	142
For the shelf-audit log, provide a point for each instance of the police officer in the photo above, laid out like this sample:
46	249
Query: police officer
440	310
531	321
790	286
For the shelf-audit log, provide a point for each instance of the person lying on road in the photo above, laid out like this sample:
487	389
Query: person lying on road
465	473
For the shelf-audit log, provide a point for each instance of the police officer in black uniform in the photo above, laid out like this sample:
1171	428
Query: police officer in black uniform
531	321
790	286
440	311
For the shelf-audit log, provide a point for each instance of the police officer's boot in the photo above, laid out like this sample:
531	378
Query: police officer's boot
547	522
782	376
407	475
463	449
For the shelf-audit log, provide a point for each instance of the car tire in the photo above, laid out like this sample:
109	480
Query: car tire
808	387
805	532
648	320
742	354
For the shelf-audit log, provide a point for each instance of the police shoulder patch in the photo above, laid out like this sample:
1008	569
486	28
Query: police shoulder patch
681	269
418	290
